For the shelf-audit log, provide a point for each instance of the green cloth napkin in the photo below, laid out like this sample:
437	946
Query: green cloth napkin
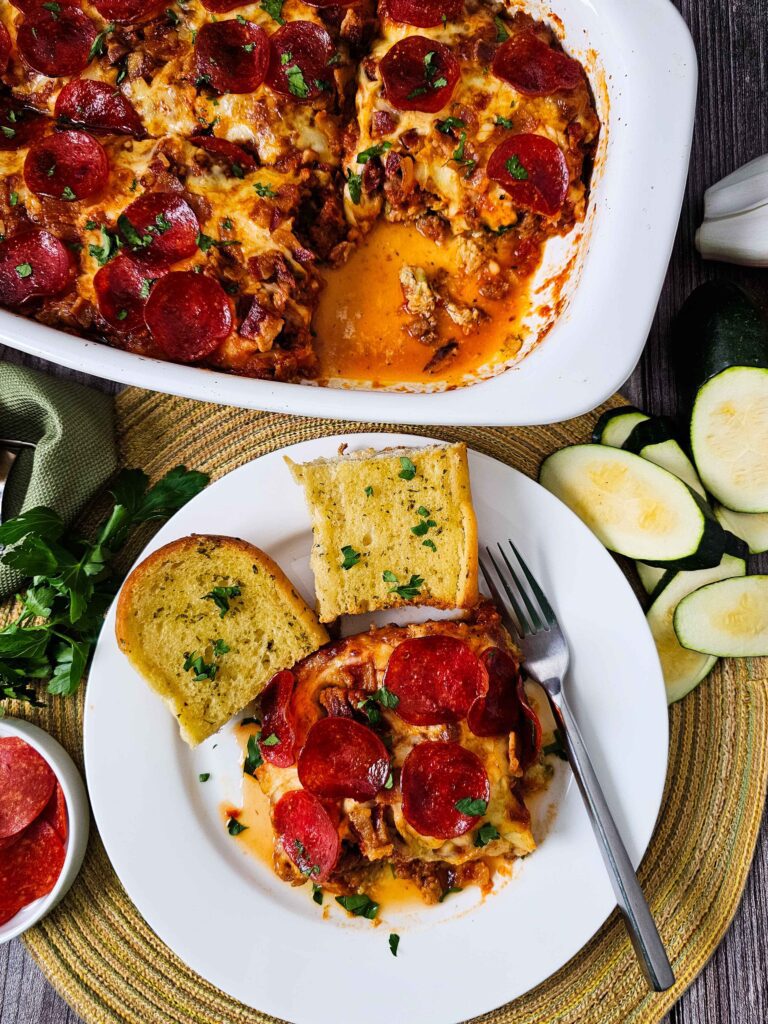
73	428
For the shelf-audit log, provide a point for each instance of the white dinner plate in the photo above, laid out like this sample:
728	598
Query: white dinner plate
229	917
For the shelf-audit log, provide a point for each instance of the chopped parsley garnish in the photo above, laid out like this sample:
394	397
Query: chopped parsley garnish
429	544
394	942
355	185
220	595
410	589
146	284
68	194
369	491
250	720
516	169
172	16
422	528
134	185
202	80
449	892
430	70
486	834
447	125
194	662
131	235
501	30
8	132
407	468
388	576
99	45
351	557
205	242
24	269
237	170
390	781
474	807
317	893
371	707
297	84
386	698
234	827
90	225
503	122
556	747
373	151
14	198
423	512
271	741
253	758
204	776
265	191
122	314
359	905
249	47
220	647
274	8
227	224
53	7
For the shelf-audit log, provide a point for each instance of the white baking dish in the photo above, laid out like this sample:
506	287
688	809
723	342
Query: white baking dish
642	65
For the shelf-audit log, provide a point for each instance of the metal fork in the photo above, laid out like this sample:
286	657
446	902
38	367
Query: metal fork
545	658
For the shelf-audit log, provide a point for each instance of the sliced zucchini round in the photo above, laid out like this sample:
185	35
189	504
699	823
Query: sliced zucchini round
650	576
751	527
655	439
729	437
727	619
615	425
635	508
684	669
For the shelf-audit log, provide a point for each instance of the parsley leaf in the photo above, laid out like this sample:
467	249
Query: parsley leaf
516	169
194	662
355	186
449	892
68	194
474	808
422	528
110	243
369	491
410	589
556	747
394	942
234	827
296	82
24	270
407	468
317	893
220	597
486	834
253	758
99	44
388	576
447	125
503	122
501	30
373	151
265	191
203	776
429	544
351	557
274	8
14	198
271	741
359	905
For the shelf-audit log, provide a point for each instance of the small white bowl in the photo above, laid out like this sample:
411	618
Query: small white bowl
78	821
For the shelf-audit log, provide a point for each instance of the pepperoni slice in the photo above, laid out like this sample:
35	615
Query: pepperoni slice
300	53
56	814
435	678
26	785
66	165
498	711
530	737
5	47
56	43
29	868
342	758
307	834
419	74
232	56
239	160
99	106
124	11
188	315
277	721
533	171
422	13
18	125
122	288
160	228
535	68
221	6
435	777
33	263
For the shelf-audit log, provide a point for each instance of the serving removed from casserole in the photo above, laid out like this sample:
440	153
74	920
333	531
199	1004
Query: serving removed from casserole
287	190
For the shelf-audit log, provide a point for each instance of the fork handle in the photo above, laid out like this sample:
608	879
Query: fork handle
629	896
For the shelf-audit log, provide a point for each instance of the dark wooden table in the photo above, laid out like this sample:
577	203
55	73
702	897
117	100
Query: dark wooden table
731	127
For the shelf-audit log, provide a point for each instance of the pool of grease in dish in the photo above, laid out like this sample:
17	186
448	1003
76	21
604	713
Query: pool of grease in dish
360	323
391	893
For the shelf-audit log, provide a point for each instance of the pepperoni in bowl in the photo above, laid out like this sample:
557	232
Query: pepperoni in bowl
232	56
188	315
422	13
159	228
99	106
419	74
535	68
299	63
438	775
533	172
56	43
122	288
68	165
33	264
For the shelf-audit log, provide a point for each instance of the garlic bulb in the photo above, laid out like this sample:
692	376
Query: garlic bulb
735	227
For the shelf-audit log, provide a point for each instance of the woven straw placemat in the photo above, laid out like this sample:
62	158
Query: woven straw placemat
110	967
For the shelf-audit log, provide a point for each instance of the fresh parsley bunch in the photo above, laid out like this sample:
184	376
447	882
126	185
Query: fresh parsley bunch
72	581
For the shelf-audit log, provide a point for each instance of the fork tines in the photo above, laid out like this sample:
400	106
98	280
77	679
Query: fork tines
529	606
